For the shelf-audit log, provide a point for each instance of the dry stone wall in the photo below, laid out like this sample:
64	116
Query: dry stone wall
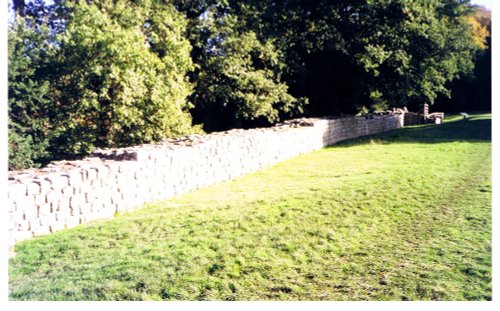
68	193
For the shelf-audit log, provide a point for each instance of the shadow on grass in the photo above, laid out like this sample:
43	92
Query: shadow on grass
475	129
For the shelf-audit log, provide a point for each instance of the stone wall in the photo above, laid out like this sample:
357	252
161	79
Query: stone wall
412	118
68	193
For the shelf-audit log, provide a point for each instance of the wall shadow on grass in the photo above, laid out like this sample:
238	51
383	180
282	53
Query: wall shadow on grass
475	129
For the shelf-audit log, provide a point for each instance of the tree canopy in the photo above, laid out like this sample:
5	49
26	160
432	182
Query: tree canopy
106	73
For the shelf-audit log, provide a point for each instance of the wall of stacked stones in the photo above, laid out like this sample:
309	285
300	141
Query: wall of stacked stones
411	118
68	193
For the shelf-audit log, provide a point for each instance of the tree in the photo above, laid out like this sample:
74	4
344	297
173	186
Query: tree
116	76
29	125
435	46
238	79
473	92
349	55
111	73
121	76
18	6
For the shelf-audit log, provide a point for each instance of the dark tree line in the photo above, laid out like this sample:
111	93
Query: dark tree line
111	73
473	91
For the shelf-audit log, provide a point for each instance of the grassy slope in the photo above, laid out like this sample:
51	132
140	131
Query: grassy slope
405	215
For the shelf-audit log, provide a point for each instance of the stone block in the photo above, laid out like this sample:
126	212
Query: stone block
140	155
56	226
140	175
22	225
54	205
89	196
25	202
12	219
32	188
128	195
47	220
40	199
22	235
68	191
103	193
75	177
97	205
127	167
62	214
106	212
38	229
53	196
162	162
113	167
84	188
72	221
77	200
63	204
96	183
116	197
16	190
89	217
90	174
109	183
126	185
43	184
123	206
85	208
57	182
102	172
44	210
11	205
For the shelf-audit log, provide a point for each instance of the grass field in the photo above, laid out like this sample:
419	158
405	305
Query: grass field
405	215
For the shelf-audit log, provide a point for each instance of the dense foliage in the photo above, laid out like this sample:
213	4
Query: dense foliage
29	125
113	75
473	92
345	56
122	72
103	73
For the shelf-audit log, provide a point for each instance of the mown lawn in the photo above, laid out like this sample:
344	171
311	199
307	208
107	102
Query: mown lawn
405	215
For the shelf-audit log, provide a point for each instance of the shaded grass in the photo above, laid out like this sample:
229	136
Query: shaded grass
404	215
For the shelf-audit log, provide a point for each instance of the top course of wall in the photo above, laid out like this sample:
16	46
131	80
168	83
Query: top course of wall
68	193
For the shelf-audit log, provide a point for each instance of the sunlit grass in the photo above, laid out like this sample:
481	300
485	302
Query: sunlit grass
405	215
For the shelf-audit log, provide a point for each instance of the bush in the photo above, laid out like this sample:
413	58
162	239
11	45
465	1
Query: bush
23	152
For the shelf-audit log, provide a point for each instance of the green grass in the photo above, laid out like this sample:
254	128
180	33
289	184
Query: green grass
405	215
